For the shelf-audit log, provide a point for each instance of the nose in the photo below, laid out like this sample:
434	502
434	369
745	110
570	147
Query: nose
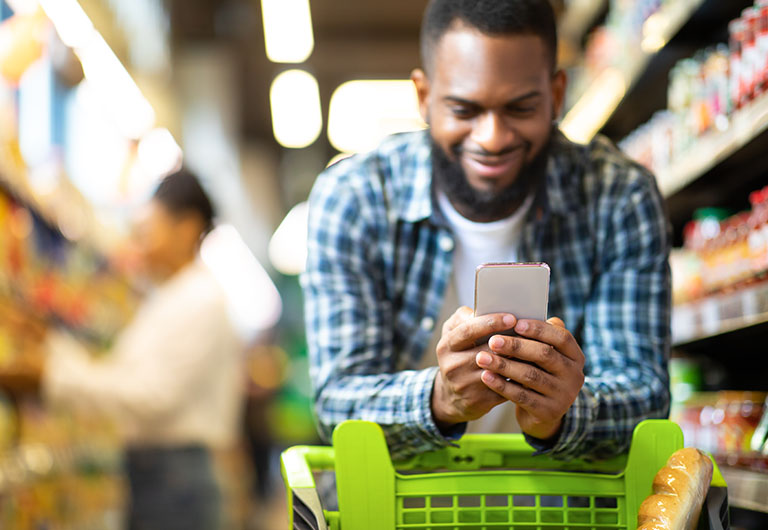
492	134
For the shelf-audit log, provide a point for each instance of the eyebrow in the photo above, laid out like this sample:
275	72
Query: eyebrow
519	99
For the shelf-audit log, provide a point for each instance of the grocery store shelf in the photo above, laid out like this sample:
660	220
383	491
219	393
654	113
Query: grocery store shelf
719	314
713	148
579	17
746	489
31	463
604	93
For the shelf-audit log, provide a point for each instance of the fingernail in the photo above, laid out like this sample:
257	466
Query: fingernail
509	320
483	359
487	376
522	326
496	343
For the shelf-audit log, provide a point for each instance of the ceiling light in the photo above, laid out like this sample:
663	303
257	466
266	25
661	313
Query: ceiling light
593	109
287	30
114	86
254	302
288	246
363	112
296	116
72	24
158	153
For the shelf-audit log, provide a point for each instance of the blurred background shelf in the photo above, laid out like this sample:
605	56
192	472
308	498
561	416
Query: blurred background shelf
620	97
579	17
746	489
679	31
746	125
742	310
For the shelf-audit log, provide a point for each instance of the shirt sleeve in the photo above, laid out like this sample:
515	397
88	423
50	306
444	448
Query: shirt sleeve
626	334
147	377
353	365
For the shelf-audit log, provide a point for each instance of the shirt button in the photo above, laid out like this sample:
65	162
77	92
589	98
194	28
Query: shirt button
446	243
427	323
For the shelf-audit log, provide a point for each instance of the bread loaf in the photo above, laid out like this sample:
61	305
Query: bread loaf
679	489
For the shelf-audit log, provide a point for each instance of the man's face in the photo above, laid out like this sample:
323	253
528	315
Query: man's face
490	103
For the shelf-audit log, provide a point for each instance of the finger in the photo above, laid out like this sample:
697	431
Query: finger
465	335
526	398
460	316
543	355
556	322
527	375
554	335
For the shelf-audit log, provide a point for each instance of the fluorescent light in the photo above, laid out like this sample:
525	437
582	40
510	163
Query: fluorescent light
296	116
655	33
158	153
132	112
594	108
363	112
23	7
287	30
254	302
116	89
72	24
288	246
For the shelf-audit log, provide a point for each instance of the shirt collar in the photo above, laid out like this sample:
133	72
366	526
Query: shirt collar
557	193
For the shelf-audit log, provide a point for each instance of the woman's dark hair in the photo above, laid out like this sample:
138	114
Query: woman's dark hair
182	193
491	17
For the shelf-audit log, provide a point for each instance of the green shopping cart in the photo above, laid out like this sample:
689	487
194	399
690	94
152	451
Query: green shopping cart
485	482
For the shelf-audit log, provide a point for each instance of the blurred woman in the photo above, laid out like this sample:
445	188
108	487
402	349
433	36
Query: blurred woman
172	382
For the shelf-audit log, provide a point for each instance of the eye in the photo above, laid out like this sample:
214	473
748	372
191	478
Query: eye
522	110
463	111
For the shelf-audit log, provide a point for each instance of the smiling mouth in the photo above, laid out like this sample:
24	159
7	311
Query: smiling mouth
493	166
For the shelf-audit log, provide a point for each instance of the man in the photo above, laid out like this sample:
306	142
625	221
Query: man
395	236
172	382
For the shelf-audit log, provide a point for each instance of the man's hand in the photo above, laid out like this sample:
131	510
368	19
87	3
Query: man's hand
546	385
459	394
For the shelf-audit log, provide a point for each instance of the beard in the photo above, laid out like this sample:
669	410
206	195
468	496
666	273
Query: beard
480	205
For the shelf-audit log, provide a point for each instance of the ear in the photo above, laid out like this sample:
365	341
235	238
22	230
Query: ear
421	81
559	84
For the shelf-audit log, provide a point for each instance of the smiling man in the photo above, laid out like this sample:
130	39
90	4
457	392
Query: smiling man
395	236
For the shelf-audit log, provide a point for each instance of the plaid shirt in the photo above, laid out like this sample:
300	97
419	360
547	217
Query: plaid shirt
380	257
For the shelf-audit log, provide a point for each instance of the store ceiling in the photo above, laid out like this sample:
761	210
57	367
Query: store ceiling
353	40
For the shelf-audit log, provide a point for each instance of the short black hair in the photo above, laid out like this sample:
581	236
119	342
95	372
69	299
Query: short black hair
182	193
490	17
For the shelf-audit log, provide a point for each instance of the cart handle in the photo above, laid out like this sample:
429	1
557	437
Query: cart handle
297	464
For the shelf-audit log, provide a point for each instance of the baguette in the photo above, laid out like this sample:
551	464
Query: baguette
679	489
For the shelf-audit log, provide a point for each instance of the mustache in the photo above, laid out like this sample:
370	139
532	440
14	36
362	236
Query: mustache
458	150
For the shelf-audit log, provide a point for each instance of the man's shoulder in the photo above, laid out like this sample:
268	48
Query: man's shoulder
389	173
392	155
608	162
601	168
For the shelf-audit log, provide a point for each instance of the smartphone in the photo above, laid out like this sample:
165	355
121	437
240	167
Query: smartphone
521	289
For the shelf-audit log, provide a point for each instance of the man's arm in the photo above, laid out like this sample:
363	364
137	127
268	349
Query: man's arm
626	334
350	324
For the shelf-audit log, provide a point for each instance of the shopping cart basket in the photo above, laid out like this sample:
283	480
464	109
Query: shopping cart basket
485	482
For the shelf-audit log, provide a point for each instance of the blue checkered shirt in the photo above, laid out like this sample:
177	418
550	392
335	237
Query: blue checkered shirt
380	258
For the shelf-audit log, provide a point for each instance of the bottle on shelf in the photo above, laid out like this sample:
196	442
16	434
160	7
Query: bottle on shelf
762	47
758	236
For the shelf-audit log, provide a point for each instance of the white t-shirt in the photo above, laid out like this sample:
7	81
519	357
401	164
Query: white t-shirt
478	243
474	244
